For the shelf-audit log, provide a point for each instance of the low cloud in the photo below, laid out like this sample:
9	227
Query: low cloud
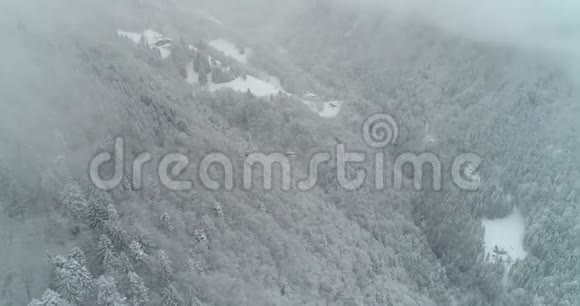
542	25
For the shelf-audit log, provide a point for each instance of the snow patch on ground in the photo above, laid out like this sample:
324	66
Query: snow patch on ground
325	109
330	109
256	86
151	39
192	77
504	240
507	235
134	37
270	79
192	48
230	49
157	41
310	95
261	85
214	63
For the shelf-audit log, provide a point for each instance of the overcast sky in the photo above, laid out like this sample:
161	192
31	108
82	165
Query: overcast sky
546	25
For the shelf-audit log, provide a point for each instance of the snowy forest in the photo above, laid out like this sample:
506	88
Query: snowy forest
499	79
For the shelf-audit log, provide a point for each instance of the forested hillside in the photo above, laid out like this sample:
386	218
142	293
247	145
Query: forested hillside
200	77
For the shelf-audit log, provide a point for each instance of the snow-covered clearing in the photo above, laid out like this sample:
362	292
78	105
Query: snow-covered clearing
134	37
330	109
507	234
325	109
230	49
256	86
504	239
150	38
270	79
261	85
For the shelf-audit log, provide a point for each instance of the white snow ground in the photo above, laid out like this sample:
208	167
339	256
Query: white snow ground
151	39
507	234
134	37
330	109
263	75
325	109
256	86
262	86
230	49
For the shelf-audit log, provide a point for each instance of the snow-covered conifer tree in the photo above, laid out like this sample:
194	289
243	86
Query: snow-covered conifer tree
70	277
170	297
107	294
166	223
73	199
165	266
49	298
105	255
136	250
137	291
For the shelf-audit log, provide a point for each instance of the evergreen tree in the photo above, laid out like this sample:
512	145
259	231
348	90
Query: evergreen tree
73	199
285	290
106	258
196	61
202	67
207	222
142	236
118	235
127	183
194	301
112	212
262	207
200	235
52	184
219	211
16	200
166	223
101	197
170	297
137	291
107	294
97	211
78	255
70	277
194	265
125	264
165	268
136	250
49	298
